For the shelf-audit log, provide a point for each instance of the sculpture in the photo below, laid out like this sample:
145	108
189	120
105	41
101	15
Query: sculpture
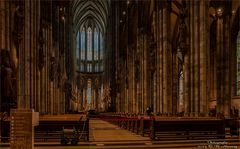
52	68
40	47
152	53
106	98
18	27
8	83
137	67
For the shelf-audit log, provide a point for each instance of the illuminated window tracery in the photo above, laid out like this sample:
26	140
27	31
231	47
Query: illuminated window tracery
89	49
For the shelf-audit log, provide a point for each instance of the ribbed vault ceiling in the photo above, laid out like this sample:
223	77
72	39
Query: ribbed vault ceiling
94	10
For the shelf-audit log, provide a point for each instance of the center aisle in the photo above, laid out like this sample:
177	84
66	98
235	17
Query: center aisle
102	131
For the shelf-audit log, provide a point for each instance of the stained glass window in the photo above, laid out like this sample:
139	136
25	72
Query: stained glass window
77	50
101	47
89	49
101	67
83	38
96	68
82	67
95	44
77	46
89	45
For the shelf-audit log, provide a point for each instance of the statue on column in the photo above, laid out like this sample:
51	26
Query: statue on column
182	31
18	27
59	75
152	53
107	98
73	99
41	42
67	90
8	83
52	73
137	67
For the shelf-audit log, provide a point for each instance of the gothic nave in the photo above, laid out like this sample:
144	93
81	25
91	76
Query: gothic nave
111	61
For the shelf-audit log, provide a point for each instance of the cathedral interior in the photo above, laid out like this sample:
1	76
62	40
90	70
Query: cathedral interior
120	62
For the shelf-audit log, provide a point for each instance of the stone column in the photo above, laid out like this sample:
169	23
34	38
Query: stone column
187	86
192	52
167	61
130	80
223	60
140	81
204	33
186	67
38	83
46	83
227	82
26	56
161	86
196	58
47	68
219	54
38	92
175	84
33	55
157	72
133	82
145	73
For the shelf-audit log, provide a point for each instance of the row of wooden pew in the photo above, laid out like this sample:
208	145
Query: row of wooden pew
63	128
167	128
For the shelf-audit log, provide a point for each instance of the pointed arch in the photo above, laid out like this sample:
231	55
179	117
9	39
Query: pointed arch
90	21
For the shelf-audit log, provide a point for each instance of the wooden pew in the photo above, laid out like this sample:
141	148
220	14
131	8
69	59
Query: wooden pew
5	130
56	128
137	125
63	130
134	123
145	125
233	124
187	128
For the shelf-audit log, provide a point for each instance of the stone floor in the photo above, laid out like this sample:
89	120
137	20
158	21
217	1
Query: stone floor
104	135
102	131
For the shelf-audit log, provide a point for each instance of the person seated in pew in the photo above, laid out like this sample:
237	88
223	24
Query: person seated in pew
149	111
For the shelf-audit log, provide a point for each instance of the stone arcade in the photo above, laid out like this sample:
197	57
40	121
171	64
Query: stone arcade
91	66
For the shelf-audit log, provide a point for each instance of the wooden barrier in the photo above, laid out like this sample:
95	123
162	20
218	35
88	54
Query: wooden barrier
187	129
145	126
163	127
137	125
61	127
5	130
233	124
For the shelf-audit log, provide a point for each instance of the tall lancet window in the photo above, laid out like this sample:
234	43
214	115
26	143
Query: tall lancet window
78	50
83	48
89	48
95	44
89	45
101	47
238	66
83	38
